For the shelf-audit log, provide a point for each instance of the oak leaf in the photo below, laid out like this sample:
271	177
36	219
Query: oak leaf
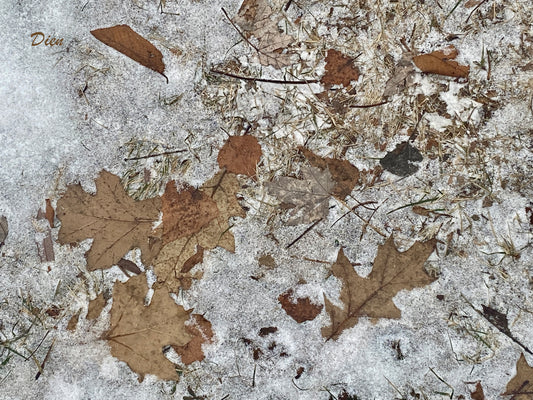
308	196
372	296
521	386
255	17
345	175
302	310
339	69
441	62
177	258
240	155
115	221
124	39
138	333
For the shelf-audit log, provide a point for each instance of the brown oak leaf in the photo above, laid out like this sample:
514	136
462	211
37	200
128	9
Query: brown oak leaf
115	221
200	330
339	69
372	296
521	386
138	333
124	39
345	175
176	258
302	310
441	62
240	155
309	197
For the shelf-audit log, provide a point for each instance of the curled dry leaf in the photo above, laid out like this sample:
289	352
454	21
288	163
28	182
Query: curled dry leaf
240	155
115	221
302	310
345	175
340	69
177	258
372	296
124	39
521	386
308	196
200	330
138	334
441	62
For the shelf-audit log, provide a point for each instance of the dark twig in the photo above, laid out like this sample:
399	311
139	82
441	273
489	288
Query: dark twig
304	233
474	10
239	31
276	81
287	5
154	155
45	360
368	105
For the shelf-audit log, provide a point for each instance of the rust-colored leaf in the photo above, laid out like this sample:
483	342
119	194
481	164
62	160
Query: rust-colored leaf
372	296
49	213
345	175
95	307
302	310
200	330
478	394
124	39
128	266
441	62
240	155
138	333
115	221
186	212
521	386
73	322
340	69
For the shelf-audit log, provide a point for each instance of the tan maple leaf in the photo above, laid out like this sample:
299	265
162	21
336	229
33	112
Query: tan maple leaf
115	221
177	258
255	17
308	197
372	296
138	333
521	386
200	330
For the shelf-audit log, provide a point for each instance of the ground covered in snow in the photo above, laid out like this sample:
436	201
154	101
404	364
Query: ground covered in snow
72	110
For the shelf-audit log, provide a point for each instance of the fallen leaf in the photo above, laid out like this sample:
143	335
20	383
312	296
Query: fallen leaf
124	39
441	62
73	322
178	256
267	261
255	17
240	155
185	212
309	196
138	333
521	386
478	394
96	306
372	296
4	229
200	330
401	160
267	330
402	76
472	3
130	266
115	221
46	248
340	69
345	175
302	310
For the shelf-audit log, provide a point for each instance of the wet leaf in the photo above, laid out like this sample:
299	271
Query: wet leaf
372	296
308	196
441	62
200	330
340	69
300	310
240	155
115	221
401	160
130	266
138	333
521	386
124	39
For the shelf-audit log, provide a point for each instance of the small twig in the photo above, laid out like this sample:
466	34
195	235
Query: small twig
253	377
45	360
443	381
414	204
368	105
276	81
239	31
474	10
304	233
287	5
154	155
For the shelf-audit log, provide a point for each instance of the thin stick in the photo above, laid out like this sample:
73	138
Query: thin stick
239	31
304	233
368	105
45	360
276	81
154	155
287	5
475	9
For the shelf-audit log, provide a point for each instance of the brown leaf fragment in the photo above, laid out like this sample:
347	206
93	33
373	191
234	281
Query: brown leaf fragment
372	296
115	221
124	39
73	322
310	195
267	261
46	248
339	69
402	76
345	175
168	266
240	155
441	62
49	213
302	310
521	386
4	229
425	212
200	330
267	330
472	3
129	266
402	160
96	306
138	333
186	212
478	394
